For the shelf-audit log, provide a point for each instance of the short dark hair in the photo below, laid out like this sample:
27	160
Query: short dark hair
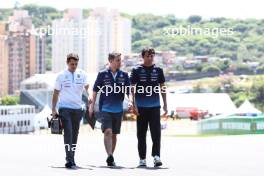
148	50
113	55
73	56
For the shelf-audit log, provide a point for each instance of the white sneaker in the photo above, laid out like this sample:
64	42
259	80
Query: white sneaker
142	163
157	161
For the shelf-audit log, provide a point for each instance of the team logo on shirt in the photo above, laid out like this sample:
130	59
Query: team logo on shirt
142	71
154	70
78	76
106	76
121	75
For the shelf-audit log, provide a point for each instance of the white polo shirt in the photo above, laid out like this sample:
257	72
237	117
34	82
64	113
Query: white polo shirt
71	86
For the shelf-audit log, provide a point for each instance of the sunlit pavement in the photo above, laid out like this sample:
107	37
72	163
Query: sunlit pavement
39	155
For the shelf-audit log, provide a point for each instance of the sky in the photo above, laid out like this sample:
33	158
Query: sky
180	8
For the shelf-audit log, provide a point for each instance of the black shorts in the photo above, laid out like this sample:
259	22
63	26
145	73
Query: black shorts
111	120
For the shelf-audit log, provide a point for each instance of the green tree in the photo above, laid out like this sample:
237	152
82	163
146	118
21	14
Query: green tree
243	54
211	68
242	67
194	19
223	65
10	100
257	90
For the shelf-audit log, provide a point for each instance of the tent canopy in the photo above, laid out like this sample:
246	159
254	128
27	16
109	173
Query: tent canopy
247	108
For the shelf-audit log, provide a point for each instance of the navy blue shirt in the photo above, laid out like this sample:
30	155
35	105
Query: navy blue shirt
111	101
150	79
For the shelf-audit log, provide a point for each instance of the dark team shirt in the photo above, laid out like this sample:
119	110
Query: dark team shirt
149	78
111	101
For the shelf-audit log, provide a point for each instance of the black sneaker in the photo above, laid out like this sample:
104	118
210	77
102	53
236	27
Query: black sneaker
157	161
70	165
142	163
110	161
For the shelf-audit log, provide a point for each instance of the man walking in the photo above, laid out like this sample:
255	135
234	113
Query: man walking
148	80
111	83
69	87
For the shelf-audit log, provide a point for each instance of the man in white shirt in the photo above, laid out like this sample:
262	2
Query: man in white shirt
68	91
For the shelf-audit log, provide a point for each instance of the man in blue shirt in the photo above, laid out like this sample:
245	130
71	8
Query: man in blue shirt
148	80
112	84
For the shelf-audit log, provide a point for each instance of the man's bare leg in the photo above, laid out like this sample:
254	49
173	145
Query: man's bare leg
108	141
114	139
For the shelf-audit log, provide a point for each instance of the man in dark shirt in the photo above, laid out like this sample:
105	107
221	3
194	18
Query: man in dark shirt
148	80
112	84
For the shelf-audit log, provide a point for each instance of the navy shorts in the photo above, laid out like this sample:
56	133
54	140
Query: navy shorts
111	120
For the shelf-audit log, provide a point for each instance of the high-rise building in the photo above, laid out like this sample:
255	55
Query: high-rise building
67	36
94	38
40	54
25	50
3	59
114	35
